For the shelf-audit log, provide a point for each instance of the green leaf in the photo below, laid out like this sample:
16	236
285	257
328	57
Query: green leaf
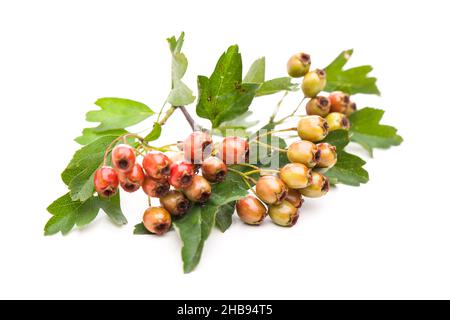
195	227
155	133
275	86
265	156
89	135
118	113
351	81
139	229
223	96
348	170
180	95
224	216
113	210
369	133
337	138
257	71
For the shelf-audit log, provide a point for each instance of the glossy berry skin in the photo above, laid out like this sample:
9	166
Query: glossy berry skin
304	152
133	180
319	186
339	101
298	65
157	220
106	181
251	210
337	121
312	128
328	155
271	189
197	146
284	214
318	106
157	165
296	175
351	108
176	203
199	190
155	188
233	150
181	174
214	169
123	158
295	198
314	82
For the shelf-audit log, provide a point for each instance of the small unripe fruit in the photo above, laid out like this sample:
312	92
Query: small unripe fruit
181	174
351	108
251	210
339	101
157	220
284	214
106	181
271	189
318	106
133	180
233	150
123	158
298	65
199	190
296	175
314	82
337	121
157	165
176	203
312	128
328	155
214	169
304	152
295	198
197	146
155	188
319	186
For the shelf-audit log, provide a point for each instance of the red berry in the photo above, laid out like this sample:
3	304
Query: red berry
199	190
157	165
176	203
251	210
181	174
157	220
233	150
214	169
123	158
106	181
155	188
339	101
133	180
197	147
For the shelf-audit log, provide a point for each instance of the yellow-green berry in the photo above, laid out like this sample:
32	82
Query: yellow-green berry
319	186
312	128
337	121
298	65
304	152
284	214
327	155
314	82
296	175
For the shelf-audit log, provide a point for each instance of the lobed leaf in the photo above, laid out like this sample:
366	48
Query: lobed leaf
275	86
348	170
338	138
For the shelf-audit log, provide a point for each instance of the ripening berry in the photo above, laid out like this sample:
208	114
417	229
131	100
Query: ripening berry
295	198
318	106
176	203
284	214
133	180
251	210
296	175
319	186
312	128
197	146
271	189
328	155
199	190
351	108
181	174
233	150
304	152
157	165
155	188
337	121
157	220
314	82
106	181
339	101
298	65
123	158
214	169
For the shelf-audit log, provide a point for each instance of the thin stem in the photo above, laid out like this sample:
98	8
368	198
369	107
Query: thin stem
291	114
273	131
189	119
243	175
167	116
260	171
161	111
269	146
248	165
277	108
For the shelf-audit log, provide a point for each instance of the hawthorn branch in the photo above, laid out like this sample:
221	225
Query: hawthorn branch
194	125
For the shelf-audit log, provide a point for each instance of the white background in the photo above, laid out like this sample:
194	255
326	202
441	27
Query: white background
387	239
